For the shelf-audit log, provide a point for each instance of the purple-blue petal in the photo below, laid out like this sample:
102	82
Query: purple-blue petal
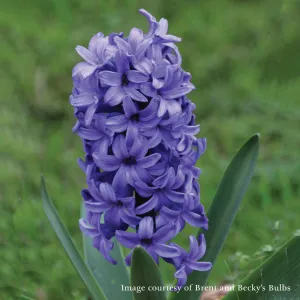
136	76
147	206
135	94
198	266
148	161
146	228
110	78
114	95
106	162
166	250
165	233
87	55
117	123
127	239
175	93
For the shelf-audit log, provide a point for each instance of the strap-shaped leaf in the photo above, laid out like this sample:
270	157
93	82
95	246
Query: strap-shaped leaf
23	297
223	210
145	273
109	277
70	248
277	278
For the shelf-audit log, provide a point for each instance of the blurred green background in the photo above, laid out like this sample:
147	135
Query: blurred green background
244	58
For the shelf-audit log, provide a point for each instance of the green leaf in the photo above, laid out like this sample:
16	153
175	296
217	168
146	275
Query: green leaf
110	277
223	210
69	246
23	297
281	272
145	273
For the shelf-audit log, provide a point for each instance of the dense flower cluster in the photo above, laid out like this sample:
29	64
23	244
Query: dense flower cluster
138	131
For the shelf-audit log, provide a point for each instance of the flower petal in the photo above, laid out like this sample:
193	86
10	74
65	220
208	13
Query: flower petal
158	169
166	250
181	276
175	93
142	188
163	105
127	239
132	137
82	100
129	218
149	113
139	147
122	45
157	83
119	182
136	76
201	146
148	90
147	206
135	38
165	233
135	94
106	162
117	123
152	22
105	247
162	180
142	48
87	229
144	65
168	214
110	78
89	114
194	219
149	161
193	251
201	248
162	27
154	140
114	95
89	134
97	207
175	196
146	228
173	107
129	107
112	218
180	273
198	266
87	55
171	38
83	69
122	62
119	147
107	192
95	40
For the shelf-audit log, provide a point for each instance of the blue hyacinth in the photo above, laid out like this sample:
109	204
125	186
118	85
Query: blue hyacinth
139	136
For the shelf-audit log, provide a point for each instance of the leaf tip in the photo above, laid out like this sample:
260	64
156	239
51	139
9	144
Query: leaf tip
254	140
255	137
137	249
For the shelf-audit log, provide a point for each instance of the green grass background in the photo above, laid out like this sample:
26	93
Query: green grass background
245	60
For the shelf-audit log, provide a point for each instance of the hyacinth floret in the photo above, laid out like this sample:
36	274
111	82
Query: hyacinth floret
139	137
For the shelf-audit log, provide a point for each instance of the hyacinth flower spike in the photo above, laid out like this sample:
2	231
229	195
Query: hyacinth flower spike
139	136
